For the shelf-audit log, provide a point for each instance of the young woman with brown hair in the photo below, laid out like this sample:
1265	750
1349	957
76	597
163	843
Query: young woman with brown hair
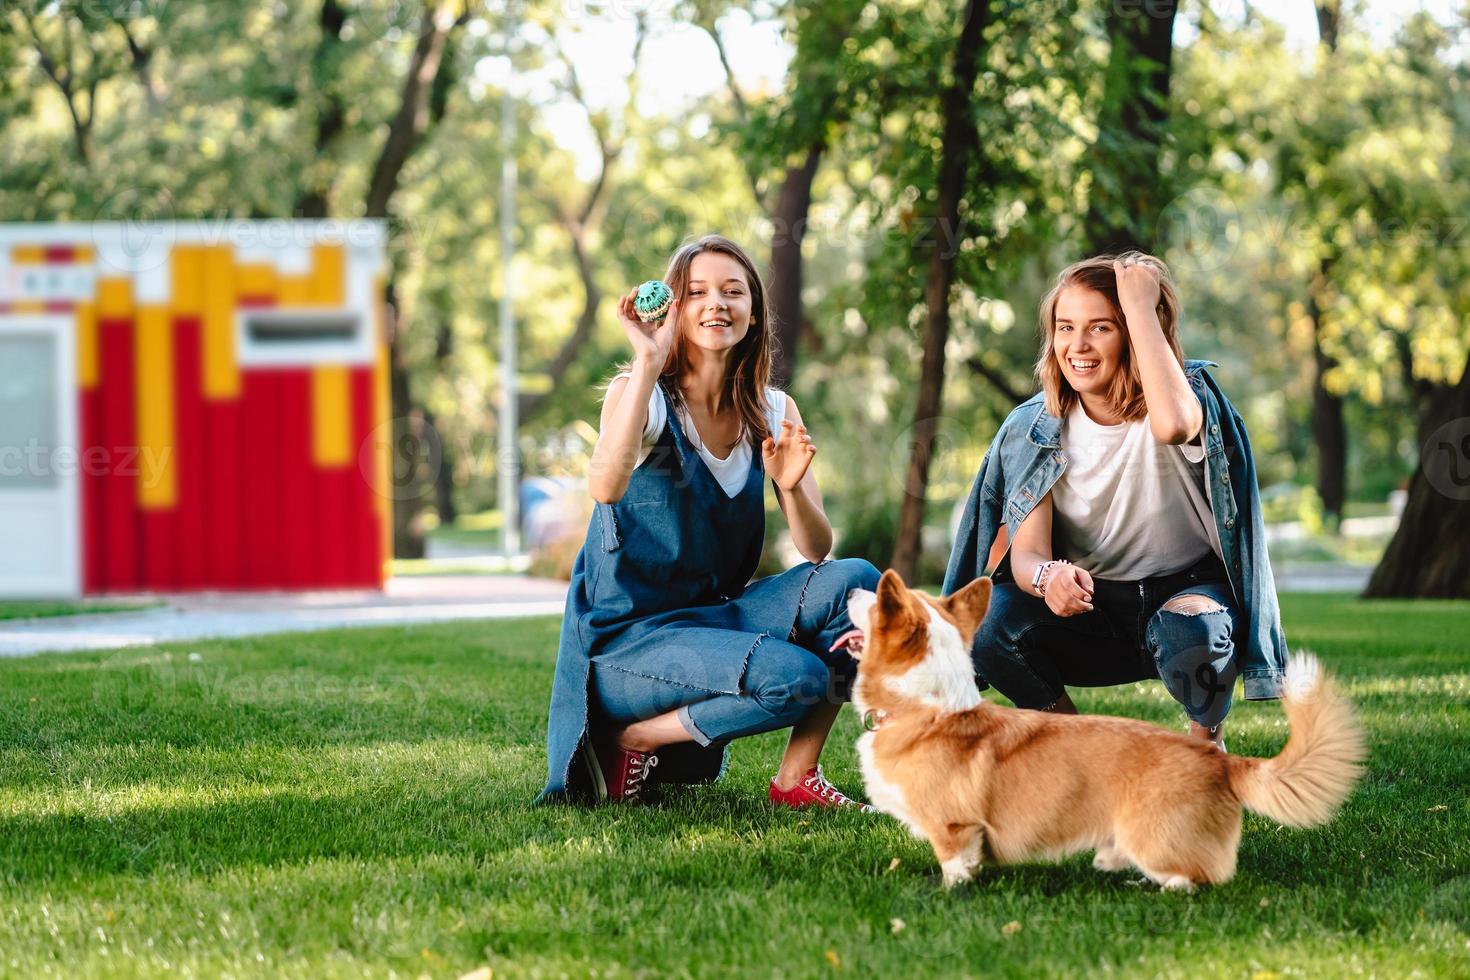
1128	491
668	649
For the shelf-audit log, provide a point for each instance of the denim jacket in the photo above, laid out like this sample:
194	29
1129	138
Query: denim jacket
1025	460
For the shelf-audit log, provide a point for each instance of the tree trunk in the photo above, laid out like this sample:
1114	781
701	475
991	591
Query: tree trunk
960	144
315	199
788	229
408	459
432	52
825	27
1427	557
406	131
1329	432
1127	193
1329	17
444	474
142	57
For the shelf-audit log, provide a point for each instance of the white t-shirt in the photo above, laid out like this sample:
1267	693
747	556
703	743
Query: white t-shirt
733	470
1128	506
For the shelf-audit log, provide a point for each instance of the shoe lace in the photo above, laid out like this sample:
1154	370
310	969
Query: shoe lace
817	783
640	769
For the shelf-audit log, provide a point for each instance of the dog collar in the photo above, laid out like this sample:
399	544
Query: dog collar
873	719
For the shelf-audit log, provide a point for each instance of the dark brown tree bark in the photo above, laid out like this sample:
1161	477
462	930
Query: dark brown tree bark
406	130
1127	194
1428	556
409	457
142	57
413	452
816	87
788	220
315	199
1329	432
1329	18
444	475
960	145
999	381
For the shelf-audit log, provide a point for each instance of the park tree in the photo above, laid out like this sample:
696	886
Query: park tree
783	140
973	138
1128	190
960	146
1421	309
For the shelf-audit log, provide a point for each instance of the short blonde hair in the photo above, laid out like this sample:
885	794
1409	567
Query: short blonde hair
1125	394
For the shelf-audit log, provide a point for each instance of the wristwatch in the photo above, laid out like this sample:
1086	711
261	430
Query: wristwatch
1039	576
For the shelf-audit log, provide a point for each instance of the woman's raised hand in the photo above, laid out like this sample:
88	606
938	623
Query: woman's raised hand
788	455
651	342
1138	286
1068	590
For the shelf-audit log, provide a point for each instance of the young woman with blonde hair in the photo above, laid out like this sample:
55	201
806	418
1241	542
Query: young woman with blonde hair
668	649
1128	492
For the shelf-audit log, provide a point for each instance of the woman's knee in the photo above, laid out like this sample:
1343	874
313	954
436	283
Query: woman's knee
1192	629
1194	652
786	680
841	575
1004	624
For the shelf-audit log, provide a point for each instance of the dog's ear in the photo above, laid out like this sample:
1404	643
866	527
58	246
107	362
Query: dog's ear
968	606
894	603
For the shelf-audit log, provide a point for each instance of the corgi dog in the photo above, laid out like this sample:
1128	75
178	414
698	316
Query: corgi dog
982	782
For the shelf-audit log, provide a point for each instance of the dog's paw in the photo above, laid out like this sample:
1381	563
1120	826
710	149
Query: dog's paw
1177	883
958	870
1111	859
953	881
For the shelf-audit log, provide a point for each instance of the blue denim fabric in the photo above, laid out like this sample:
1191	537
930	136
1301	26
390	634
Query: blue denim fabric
661	591
1025	460
1029	653
784	677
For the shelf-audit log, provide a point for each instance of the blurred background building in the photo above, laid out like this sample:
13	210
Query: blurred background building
192	405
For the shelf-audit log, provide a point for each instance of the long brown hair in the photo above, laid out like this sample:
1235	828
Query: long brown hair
1125	393
749	371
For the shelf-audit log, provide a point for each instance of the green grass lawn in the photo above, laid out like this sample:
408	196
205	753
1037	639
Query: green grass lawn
38	608
336	804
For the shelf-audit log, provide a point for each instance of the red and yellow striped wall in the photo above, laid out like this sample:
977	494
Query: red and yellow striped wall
201	473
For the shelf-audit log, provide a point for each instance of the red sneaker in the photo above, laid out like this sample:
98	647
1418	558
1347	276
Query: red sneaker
814	790
619	774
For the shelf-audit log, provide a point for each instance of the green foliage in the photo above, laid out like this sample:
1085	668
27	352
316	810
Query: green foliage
1279	162
1348	166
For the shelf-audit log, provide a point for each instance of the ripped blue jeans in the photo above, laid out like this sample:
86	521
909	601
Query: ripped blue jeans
784	676
1030	654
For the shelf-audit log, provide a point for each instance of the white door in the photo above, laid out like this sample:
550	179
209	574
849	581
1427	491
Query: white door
40	513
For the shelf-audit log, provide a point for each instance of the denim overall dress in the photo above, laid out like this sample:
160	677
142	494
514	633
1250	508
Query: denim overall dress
659	591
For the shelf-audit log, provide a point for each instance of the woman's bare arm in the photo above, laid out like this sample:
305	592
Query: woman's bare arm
625	409
1174	414
620	434
1068	588
788	452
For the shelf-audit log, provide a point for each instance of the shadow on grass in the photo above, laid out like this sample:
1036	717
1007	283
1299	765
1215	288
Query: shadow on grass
688	833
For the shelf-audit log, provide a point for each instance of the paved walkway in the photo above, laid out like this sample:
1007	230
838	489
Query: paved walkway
408	599
1320	577
419	599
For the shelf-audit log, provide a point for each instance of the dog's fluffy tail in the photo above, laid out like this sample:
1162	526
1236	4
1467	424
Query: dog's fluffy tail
1322	759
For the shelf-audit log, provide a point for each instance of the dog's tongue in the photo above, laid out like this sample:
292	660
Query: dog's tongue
851	640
